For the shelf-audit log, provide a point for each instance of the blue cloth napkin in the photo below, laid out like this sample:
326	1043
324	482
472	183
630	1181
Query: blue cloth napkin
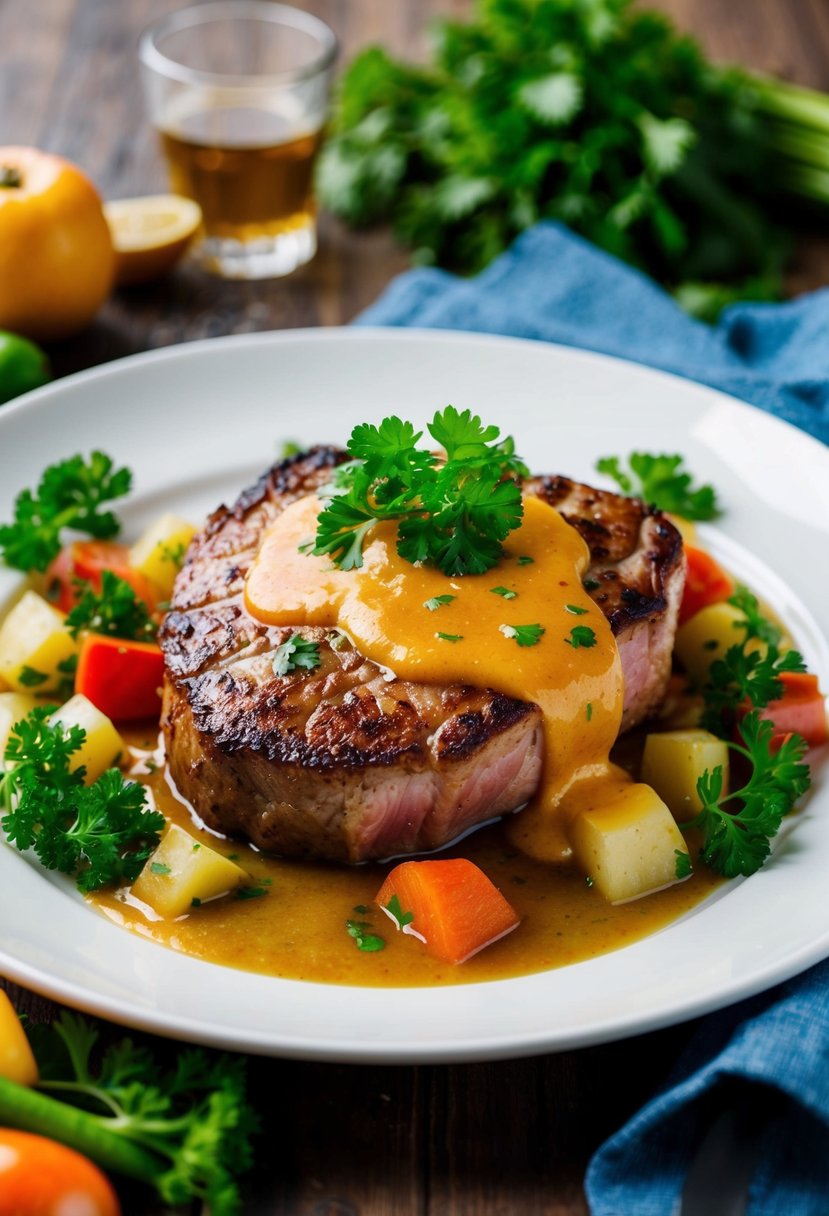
765	1060
554	286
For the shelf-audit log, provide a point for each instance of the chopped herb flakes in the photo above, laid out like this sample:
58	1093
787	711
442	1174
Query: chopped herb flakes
30	678
526	561
524	635
450	637
438	601
504	593
575	610
684	869
296	652
588	710
581	635
591	584
250	892
364	939
395	911
158	867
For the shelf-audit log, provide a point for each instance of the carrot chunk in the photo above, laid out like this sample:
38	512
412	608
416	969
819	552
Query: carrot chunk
801	710
123	679
705	583
451	905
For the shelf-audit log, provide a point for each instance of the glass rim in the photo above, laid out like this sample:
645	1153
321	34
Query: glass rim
261	10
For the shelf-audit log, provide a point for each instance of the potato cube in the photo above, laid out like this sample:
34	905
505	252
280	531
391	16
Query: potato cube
673	763
706	637
33	645
102	746
13	707
158	552
627	843
183	870
16	1060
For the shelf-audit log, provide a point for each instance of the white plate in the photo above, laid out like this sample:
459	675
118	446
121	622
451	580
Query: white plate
196	424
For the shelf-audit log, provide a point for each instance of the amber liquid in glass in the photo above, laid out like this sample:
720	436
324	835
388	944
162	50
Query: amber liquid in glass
250	174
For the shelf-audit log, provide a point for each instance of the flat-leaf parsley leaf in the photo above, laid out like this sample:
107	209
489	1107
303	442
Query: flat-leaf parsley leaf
524	635
294	653
661	480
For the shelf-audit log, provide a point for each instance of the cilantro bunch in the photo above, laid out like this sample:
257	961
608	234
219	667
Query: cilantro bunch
453	513
184	1130
101	833
594	114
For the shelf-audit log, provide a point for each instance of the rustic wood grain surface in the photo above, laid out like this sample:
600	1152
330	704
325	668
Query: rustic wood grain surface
469	1140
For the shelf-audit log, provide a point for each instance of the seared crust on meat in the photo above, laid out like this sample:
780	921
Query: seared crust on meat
345	761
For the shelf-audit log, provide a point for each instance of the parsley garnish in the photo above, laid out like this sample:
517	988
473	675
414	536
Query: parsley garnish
174	554
683	868
294	653
450	637
364	939
581	635
184	1129
588	711
524	635
29	677
438	601
100	833
591	584
116	612
662	481
526	561
575	610
452	513
395	911
504	593
738	827
250	892
69	495
158	867
742	676
755	624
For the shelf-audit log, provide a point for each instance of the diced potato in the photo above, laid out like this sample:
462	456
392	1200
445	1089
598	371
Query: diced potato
628	843
706	637
182	870
158	551
13	707
16	1060
102	746
33	645
685	527
673	763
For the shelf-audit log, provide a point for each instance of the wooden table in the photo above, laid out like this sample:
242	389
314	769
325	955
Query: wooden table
469	1140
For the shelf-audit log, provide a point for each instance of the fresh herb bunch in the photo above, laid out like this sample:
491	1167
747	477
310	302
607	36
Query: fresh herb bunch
184	1130
101	833
662	481
738	827
116	612
594	114
70	494
454	513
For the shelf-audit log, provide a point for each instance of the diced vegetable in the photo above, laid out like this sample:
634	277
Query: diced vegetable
687	528
451	904
706	637
43	1178
14	706
183	870
673	763
123	679
59	581
90	558
629	845
158	552
16	1060
801	710
34	645
705	583
102	746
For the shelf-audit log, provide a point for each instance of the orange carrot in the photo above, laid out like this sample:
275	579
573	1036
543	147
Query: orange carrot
801	710
705	583
451	905
122	678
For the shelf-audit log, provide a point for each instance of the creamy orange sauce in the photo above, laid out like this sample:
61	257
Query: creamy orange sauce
381	607
297	928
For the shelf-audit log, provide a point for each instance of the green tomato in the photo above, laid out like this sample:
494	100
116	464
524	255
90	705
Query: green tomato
23	366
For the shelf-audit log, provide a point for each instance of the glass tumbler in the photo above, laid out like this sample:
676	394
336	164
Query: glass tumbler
238	90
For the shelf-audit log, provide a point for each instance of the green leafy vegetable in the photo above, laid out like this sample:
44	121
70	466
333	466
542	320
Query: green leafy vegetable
29	677
250	892
741	676
737	828
185	1130
504	593
438	601
450	637
755	624
575	610
684	868
596	114
69	495
661	480
365	940
294	653
101	833
452	513
524	635
525	561
395	911
581	635
116	612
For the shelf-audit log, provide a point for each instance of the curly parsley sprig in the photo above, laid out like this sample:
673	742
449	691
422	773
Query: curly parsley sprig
70	494
453	513
101	833
115	611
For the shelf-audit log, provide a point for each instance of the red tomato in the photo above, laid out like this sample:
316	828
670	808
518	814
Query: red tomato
122	678
85	561
39	1177
705	583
